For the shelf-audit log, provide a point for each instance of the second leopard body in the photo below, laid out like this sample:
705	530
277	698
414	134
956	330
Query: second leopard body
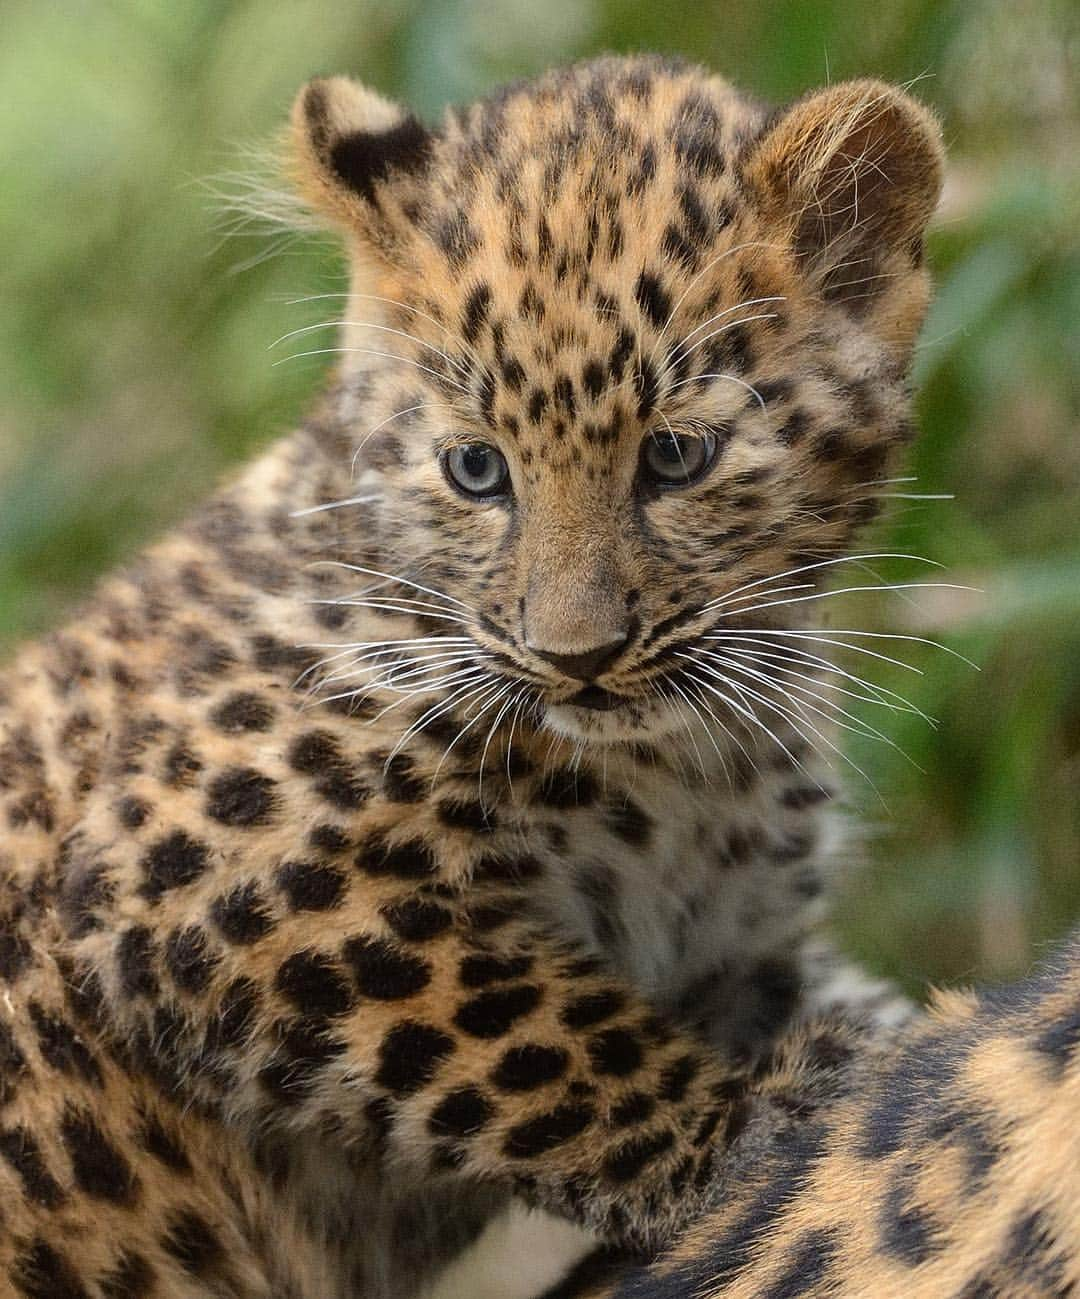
424	826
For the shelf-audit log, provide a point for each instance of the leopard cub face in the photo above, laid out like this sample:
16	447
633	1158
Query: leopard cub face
631	351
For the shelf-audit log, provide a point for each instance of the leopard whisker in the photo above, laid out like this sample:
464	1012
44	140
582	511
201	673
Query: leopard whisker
409	410
387	647
522	699
727	731
731	378
387	607
506	706
399	603
405	306
750	718
384	329
733	324
369	351
719	315
674	712
466	690
821	563
854	724
384	646
797	720
345	648
334	505
816	635
699	275
689	744
395	577
796	716
390	654
844	590
365	690
404	670
705	727
878	694
422	677
486	701
379	591
382	661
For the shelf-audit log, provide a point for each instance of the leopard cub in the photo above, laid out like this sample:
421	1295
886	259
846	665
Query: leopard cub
439	821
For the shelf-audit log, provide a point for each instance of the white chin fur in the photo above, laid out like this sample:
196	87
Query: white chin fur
637	720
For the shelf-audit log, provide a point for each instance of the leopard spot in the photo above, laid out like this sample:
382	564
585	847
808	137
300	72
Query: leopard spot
172	862
592	1008
493	1013
135	959
241	915
243	710
241	797
305	1047
461	814
636	1108
41	1272
409	1056
478	971
158	1141
384	972
131	1278
189	958
525	1067
101	1171
314	984
677	1077
193	1243
16	955
547	1131
62	1047
416	919
310	886
615	1052
411	860
132	812
461	1114
231	1024
401	784
630	1159
19	1148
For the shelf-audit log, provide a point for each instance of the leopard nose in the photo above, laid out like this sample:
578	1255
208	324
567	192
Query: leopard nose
585	665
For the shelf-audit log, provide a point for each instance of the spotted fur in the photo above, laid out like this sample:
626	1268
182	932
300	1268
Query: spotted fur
946	1165
322	937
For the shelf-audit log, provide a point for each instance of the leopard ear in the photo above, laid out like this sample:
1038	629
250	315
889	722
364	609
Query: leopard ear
357	158
854	174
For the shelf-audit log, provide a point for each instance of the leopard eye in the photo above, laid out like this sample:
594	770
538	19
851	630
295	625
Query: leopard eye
477	469
676	459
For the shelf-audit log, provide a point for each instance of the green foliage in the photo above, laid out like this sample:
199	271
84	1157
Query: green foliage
135	361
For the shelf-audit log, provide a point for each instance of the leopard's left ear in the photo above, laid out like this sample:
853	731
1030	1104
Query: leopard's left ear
853	174
358	159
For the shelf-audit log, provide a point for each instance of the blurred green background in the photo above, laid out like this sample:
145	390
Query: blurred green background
134	364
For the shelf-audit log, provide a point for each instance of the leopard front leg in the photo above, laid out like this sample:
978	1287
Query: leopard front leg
367	998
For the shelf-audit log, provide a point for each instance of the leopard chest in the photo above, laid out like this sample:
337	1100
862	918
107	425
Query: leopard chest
689	890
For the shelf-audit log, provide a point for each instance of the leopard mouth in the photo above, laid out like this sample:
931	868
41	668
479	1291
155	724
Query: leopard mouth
595	716
597	699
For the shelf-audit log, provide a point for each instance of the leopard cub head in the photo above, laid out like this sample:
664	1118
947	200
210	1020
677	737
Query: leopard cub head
631	349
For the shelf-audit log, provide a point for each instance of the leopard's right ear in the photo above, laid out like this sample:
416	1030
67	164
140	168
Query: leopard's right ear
358	159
